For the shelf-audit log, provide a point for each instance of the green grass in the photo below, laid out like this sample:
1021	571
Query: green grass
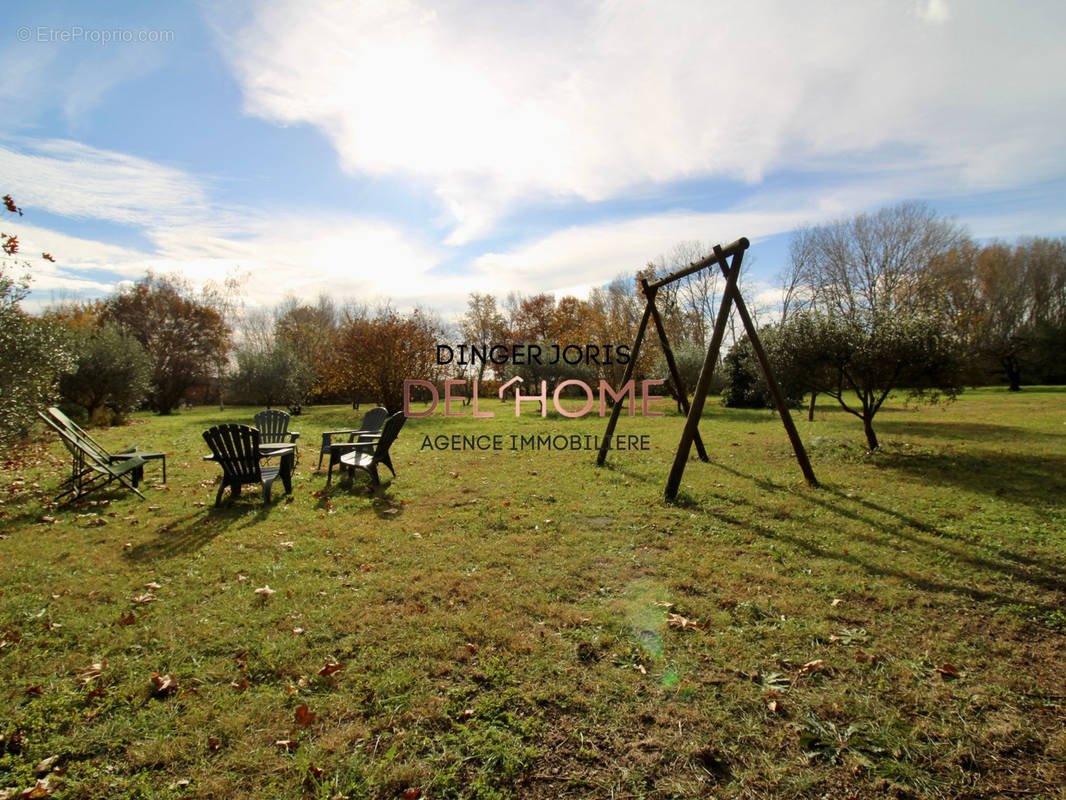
513	624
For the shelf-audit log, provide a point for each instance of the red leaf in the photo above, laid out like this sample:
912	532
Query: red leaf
304	716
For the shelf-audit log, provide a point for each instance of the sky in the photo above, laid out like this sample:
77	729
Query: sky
414	152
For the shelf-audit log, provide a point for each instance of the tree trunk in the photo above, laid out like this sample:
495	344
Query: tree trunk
810	408
871	437
1014	373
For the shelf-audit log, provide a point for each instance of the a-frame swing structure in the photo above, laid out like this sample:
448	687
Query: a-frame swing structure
730	297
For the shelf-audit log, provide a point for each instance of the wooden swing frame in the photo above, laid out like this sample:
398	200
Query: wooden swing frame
730	297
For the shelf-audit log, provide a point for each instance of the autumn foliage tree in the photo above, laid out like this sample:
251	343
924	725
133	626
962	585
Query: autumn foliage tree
181	335
374	355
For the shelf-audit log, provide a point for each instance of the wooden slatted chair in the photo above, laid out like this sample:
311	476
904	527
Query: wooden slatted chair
236	449
57	417
363	436
368	460
273	426
89	470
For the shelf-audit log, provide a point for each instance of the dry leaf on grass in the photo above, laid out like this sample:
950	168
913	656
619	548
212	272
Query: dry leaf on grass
304	716
331	668
92	672
164	684
949	671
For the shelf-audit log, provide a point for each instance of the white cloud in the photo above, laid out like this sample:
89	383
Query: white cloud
494	104
74	180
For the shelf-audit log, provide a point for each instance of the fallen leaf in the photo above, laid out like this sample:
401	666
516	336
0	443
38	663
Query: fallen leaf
147	597
265	591
127	619
862	657
330	669
288	745
43	788
836	602
949	671
92	672
46	765
152	585
214	744
678	621
471	647
811	667
164	684
304	716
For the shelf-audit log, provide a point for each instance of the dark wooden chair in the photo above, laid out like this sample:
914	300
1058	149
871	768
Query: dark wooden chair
236	449
368	460
90	470
57	417
273	427
363	436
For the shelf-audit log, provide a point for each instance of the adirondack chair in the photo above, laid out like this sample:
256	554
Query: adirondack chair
236	448
273	427
57	417
90	470
368	460
360	437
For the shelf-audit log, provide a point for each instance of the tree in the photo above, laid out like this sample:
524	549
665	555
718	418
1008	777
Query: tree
1008	303
111	370
745	383
272	377
483	325
32	353
309	332
859	362
224	298
374	355
181	335
871	323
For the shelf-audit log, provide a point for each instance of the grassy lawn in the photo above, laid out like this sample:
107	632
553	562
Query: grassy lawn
527	624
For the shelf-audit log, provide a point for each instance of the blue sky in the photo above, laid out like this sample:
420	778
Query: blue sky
418	151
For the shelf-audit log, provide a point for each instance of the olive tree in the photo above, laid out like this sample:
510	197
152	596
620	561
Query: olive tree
33	353
868	323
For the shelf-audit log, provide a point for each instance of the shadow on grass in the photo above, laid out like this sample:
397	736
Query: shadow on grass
383	502
195	530
922	536
968	431
1022	478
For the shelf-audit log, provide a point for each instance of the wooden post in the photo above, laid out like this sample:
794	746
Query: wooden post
626	377
771	381
670	363
699	396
